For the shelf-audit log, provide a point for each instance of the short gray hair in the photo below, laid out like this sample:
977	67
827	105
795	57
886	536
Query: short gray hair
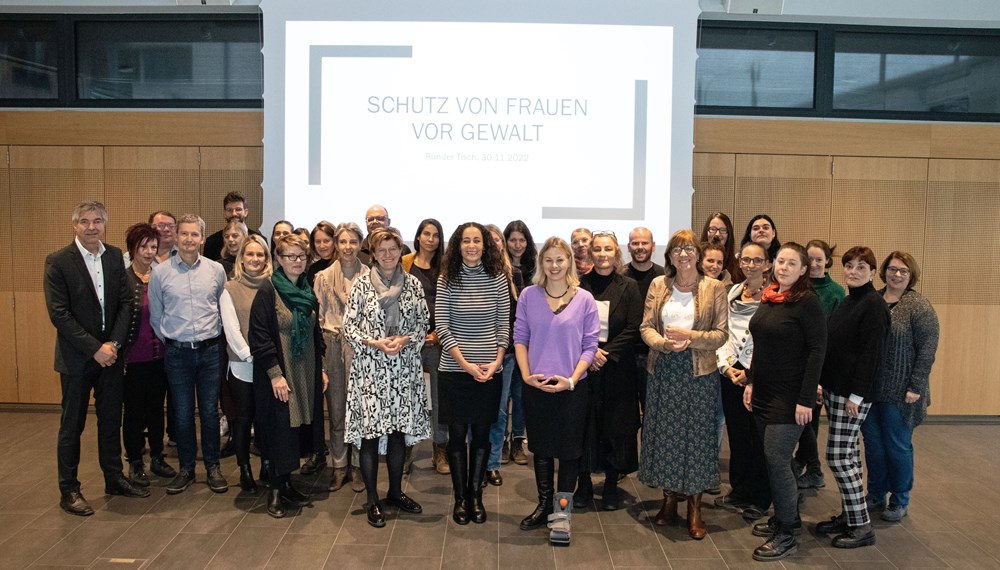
191	219
89	206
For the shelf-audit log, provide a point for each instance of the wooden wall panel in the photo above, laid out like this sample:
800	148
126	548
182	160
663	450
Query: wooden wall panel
8	355
952	140
38	382
964	379
46	183
963	263
880	203
714	181
6	277
225	169
141	180
794	190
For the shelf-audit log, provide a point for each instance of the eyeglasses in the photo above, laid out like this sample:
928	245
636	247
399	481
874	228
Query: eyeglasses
754	261
713	231
165	226
901	271
688	249
383	251
297	257
370	219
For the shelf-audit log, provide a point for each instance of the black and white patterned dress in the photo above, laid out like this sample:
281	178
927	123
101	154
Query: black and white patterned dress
385	393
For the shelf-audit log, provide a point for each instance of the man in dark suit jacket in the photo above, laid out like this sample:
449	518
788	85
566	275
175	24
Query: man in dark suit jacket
90	305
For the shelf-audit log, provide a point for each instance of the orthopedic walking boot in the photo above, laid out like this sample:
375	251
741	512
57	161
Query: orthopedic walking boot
458	463
544	482
668	512
559	520
696	526
477	478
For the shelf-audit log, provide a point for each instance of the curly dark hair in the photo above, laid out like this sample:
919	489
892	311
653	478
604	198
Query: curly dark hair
451	268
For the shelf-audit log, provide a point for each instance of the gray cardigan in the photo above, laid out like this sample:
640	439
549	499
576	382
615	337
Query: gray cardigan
908	356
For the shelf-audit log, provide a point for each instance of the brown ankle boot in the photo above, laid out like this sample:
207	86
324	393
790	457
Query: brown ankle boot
696	526
668	512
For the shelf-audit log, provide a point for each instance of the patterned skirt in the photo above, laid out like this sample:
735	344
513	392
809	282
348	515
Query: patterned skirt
679	438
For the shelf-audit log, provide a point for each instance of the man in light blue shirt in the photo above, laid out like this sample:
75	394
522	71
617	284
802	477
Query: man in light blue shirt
184	293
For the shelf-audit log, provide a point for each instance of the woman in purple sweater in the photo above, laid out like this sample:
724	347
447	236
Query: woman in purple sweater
555	340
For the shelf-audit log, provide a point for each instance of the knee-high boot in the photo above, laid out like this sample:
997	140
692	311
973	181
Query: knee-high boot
458	462
477	474
545	482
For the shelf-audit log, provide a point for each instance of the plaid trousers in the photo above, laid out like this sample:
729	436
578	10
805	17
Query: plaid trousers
843	455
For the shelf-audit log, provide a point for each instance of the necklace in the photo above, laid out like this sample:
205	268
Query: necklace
680	285
756	292
556	296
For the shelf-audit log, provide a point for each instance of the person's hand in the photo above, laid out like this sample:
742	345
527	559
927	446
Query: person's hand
471	369
676	333
671	345
600	359
106	355
739	377
401	340
486	371
911	397
748	398
534	380
803	414
387	345
326	381
431	338
280	388
555	383
819	395
852	409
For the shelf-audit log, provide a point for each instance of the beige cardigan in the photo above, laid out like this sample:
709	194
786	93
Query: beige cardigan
711	321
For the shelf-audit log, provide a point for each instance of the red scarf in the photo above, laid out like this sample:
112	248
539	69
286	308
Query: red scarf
772	295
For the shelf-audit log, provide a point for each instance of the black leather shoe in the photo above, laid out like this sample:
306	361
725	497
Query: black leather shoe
460	512
315	464
161	468
121	486
770	528
293	497
137	473
753	513
494	478
855	537
181	481
247	482
405	503
73	503
376	517
228	449
275	507
779	546
537	518
216	482
836	525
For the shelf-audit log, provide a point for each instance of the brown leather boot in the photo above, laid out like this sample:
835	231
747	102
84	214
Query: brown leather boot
696	526
668	512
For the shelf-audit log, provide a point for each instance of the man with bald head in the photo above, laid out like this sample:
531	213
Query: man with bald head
643	270
375	217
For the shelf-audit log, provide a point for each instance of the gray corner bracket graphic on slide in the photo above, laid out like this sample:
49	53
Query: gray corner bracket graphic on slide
316	55
637	211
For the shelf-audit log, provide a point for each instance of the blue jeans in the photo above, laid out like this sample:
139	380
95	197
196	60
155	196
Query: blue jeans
498	431
189	370
888	454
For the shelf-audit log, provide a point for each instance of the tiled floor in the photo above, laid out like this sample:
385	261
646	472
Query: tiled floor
954	520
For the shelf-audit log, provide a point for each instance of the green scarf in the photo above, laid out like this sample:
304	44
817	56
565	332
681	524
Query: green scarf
301	301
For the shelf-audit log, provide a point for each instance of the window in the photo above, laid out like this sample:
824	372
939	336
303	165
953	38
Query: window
29	58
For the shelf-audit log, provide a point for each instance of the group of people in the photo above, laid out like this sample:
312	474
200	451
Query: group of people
566	350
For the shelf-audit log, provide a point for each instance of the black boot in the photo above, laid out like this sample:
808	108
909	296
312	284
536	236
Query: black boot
477	477
137	473
247	482
458	462
544	481
275	507
227	449
265	472
610	499
855	536
584	494
780	545
293	496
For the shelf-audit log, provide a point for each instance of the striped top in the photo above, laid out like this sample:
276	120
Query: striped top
473	315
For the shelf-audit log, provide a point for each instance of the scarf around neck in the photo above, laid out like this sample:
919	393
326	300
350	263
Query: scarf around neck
301	301
772	295
388	290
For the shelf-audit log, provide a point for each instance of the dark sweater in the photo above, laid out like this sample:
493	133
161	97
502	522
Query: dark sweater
830	293
855	341
643	279
789	342
909	354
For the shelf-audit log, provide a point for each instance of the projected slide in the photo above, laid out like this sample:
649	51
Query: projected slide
559	125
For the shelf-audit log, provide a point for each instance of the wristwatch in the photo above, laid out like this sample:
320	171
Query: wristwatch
116	344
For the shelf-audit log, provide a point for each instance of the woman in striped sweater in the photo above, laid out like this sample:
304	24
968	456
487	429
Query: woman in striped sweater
472	318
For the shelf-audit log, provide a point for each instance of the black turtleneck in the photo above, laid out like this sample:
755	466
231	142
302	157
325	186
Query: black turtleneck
856	339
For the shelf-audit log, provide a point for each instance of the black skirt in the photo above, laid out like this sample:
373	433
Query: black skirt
555	422
463	400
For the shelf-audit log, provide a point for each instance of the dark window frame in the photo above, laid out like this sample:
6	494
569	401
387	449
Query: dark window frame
824	71
66	25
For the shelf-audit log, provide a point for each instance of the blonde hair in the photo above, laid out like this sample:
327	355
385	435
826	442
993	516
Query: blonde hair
508	270
238	266
541	278
616	263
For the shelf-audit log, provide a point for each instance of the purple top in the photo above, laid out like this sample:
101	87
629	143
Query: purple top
146	347
560	341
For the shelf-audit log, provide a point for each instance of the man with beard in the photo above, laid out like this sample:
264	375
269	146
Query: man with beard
643	270
235	207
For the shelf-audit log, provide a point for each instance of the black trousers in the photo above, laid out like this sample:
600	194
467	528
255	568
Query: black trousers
145	387
747	466
106	384
243	410
808	453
